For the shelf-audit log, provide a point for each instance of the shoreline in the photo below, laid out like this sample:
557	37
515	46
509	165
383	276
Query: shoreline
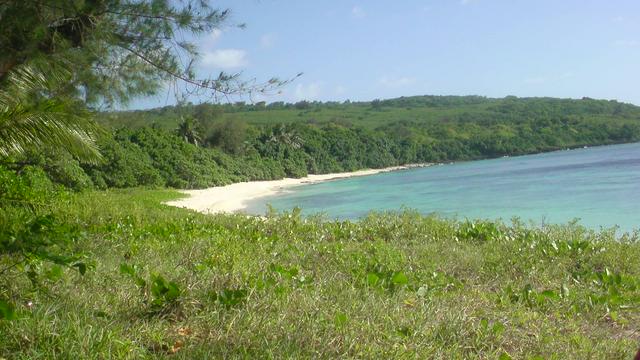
234	197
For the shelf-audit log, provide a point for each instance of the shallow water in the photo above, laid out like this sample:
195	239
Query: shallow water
600	186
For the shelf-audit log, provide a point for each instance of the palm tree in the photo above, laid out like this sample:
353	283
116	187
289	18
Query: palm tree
189	131
33	117
286	136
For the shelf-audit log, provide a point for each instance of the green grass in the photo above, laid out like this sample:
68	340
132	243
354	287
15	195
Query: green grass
390	286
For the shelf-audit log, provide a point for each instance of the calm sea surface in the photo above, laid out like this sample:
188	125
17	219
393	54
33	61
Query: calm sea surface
600	186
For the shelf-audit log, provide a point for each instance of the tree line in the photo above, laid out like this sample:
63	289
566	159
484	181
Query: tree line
209	150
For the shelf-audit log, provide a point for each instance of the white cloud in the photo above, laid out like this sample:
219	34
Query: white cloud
340	90
401	81
626	43
215	34
358	12
225	59
267	41
308	92
210	40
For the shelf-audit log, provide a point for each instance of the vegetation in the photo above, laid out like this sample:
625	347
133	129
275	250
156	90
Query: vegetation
30	120
164	281
116	49
117	274
106	52
218	144
413	109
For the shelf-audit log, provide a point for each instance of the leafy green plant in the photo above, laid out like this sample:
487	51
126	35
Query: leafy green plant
291	274
614	290
30	232
378	276
133	272
479	231
163	292
230	297
532	298
157	291
489	333
7	310
496	328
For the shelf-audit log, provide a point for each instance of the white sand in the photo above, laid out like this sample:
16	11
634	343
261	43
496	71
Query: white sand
234	197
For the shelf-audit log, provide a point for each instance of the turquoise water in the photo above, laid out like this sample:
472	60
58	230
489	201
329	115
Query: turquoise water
600	186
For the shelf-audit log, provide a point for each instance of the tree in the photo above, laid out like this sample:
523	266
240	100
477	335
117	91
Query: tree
116	49
30	120
110	51
205	113
229	135
301	105
285	135
189	130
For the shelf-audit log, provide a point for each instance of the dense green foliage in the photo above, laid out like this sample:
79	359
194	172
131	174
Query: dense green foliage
170	282
116	49
376	113
61	56
131	278
32	119
30	233
206	145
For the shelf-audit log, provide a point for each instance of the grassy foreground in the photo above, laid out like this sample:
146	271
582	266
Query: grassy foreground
168	282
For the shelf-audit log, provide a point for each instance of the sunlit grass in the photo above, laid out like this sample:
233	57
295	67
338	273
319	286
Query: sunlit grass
391	285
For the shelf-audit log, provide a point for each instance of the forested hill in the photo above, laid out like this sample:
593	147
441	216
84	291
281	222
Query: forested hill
376	113
205	145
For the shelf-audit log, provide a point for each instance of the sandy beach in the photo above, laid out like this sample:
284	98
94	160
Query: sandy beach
234	197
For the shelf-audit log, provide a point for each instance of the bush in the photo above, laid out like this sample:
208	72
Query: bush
67	171
30	231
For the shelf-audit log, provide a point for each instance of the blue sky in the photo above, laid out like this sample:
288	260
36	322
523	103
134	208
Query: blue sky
362	50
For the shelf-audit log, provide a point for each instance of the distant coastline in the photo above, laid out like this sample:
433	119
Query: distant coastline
234	197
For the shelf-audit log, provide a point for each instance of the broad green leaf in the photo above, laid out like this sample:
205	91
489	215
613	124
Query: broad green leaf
55	273
399	278
372	279
127	269
82	267
497	329
7	311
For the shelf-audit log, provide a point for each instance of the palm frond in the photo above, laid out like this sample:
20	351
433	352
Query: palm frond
30	117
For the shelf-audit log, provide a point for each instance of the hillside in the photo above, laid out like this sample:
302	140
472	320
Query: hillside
207	145
200	146
421	109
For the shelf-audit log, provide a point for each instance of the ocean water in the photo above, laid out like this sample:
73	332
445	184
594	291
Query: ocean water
599	186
